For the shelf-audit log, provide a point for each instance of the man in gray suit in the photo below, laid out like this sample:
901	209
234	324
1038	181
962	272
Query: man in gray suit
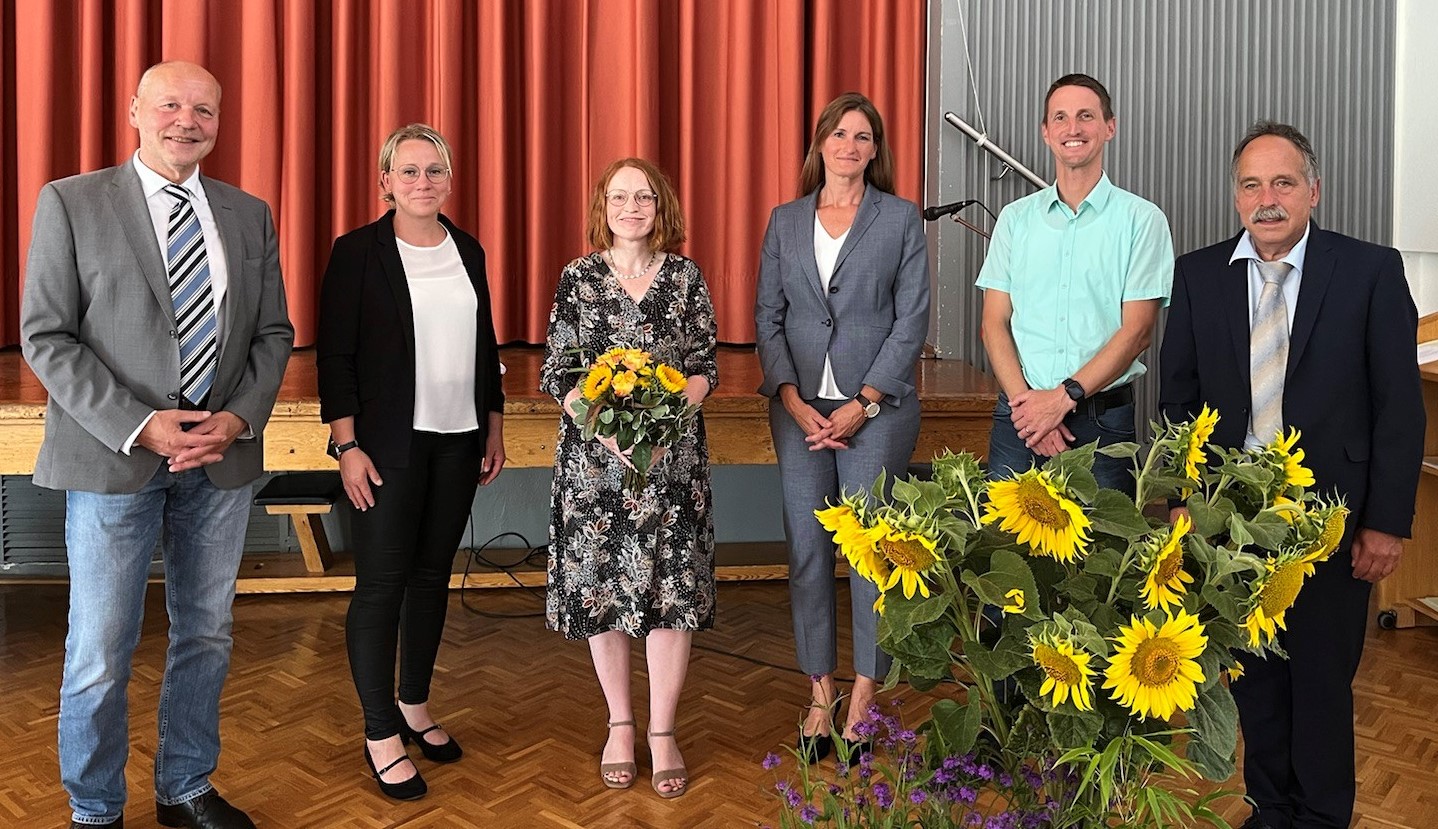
154	314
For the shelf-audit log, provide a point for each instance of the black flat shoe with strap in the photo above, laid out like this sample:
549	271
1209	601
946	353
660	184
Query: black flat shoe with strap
412	788
445	752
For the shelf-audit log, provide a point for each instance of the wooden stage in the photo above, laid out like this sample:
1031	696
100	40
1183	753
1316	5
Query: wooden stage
957	400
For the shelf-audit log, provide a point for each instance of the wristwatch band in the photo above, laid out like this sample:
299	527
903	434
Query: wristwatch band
340	449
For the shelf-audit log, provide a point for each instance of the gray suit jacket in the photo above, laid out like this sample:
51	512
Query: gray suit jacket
97	324
873	318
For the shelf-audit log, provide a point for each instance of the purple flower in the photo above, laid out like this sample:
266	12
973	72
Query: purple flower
951	762
968	794
782	786
793	798
860	801
985	772
841	770
918	796
834	789
809	814
771	761
1006	780
865	730
943	776
908	736
883	795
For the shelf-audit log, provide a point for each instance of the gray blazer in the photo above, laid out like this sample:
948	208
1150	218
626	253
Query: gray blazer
96	323
872	320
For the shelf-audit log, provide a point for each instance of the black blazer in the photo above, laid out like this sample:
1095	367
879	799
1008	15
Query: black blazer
1352	386
365	349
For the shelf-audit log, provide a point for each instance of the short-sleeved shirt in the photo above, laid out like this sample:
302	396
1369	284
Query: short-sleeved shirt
1068	274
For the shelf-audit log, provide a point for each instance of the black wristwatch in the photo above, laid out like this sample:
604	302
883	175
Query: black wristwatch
871	408
1074	390
334	451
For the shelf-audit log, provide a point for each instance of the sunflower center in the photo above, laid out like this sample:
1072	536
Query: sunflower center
1058	667
1168	567
1155	661
1281	589
1039	505
907	553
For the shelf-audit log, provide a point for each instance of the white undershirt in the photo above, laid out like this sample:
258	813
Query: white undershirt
826	253
444	337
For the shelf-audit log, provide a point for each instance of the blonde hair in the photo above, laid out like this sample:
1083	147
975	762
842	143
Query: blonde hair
668	231
411	132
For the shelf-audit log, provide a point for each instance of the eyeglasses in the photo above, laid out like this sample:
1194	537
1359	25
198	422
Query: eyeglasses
619	198
409	175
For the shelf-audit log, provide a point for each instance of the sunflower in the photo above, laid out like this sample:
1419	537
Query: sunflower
855	541
1274	593
624	383
911	555
1017	602
1065	669
1032	507
1164	585
1282	451
1287	508
1199	431
1154	671
597	381
1334	521
671	378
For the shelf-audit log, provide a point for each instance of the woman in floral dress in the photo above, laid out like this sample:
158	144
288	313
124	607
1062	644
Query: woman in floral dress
632	564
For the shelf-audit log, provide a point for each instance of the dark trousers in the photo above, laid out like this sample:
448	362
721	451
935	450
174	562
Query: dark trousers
1297	714
1008	454
404	549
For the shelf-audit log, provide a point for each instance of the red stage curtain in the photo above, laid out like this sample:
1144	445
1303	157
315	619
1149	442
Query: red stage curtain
536	96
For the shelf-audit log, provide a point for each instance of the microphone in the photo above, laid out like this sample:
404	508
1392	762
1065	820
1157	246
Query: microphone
932	213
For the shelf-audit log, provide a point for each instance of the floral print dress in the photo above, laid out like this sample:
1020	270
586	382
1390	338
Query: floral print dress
626	561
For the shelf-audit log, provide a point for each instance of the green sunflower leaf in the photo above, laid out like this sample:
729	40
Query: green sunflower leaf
1115	514
1074	728
956	724
1215	718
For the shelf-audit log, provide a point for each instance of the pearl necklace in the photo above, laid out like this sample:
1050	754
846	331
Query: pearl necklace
614	269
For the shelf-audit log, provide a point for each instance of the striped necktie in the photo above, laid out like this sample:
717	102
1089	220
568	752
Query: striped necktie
1268	351
193	298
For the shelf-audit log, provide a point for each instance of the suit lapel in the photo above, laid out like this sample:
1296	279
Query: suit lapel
804	237
127	198
1233	295
864	217
393	268
1318	266
235	288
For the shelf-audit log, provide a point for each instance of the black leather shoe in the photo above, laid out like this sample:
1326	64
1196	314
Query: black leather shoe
208	811
815	747
412	788
446	752
117	823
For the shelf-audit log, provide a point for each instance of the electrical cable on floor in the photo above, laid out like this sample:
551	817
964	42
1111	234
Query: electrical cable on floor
476	557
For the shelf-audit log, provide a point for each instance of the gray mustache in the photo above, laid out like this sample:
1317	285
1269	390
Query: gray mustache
1272	213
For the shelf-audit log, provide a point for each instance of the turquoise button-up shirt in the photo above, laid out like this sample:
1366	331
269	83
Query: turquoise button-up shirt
1069	273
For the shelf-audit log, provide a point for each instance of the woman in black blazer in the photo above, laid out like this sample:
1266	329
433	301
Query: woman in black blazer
409	383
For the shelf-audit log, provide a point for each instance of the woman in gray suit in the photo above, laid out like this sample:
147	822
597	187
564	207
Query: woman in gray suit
841	316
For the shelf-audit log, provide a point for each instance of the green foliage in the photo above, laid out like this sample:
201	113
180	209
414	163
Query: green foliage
996	603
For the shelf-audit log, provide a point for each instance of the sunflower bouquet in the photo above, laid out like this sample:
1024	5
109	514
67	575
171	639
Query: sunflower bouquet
639	403
1091	643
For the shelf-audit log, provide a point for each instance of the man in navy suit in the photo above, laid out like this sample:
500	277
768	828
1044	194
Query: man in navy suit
1346	376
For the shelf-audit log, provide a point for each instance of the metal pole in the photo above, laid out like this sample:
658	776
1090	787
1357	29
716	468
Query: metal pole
993	149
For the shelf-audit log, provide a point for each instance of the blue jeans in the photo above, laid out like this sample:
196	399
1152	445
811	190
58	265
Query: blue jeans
110	540
1008	454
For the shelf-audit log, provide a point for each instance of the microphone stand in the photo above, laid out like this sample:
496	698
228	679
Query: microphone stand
984	144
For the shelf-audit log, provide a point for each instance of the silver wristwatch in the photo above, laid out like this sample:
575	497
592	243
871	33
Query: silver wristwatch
870	407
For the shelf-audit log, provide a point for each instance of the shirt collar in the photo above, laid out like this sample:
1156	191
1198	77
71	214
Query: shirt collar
1245	250
152	182
1096	199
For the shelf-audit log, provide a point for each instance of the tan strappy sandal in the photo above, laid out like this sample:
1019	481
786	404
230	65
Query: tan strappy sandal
629	768
668	774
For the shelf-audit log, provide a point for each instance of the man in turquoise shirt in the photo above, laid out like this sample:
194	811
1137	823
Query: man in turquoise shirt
1073	282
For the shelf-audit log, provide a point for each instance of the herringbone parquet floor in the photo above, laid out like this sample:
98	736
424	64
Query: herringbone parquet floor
525	705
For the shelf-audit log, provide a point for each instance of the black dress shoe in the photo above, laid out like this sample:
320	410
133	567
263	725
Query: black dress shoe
117	823
446	752
815	747
412	788
208	811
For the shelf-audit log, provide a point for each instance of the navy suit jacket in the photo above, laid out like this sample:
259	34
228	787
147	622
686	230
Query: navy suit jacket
1352	385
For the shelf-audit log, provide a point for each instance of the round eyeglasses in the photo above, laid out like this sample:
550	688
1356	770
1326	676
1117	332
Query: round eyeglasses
643	198
410	174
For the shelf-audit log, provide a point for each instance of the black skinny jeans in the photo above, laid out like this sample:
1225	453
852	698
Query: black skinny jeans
404	548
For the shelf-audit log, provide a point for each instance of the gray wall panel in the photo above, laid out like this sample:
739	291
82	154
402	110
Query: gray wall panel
1187	78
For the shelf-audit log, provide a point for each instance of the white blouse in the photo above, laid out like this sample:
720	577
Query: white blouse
826	253
445	306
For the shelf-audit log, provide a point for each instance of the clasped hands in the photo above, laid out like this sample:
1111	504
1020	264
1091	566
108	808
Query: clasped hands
204	442
1038	418
832	432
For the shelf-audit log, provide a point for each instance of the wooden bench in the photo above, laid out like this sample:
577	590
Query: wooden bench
304	497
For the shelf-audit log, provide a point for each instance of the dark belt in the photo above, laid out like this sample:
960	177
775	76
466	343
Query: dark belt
1099	403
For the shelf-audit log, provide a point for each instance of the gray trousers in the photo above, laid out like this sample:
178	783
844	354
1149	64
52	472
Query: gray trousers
808	480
